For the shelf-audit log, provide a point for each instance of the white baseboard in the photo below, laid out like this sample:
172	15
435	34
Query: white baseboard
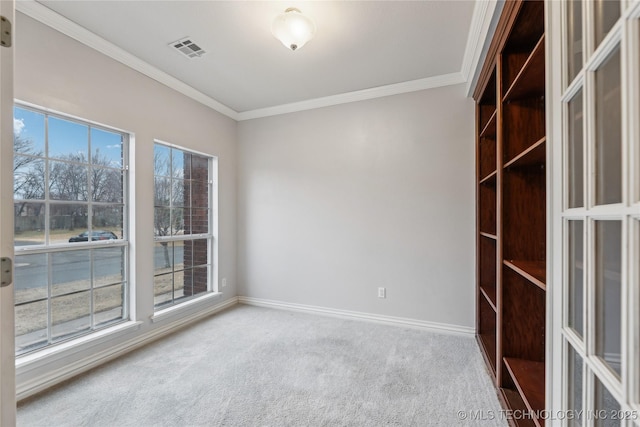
377	318
41	382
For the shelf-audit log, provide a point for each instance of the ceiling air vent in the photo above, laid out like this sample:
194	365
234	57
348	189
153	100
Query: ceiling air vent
188	48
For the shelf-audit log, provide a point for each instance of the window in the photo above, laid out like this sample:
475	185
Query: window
182	225
70	226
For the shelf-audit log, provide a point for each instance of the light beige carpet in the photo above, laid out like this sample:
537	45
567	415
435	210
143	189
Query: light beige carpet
251	366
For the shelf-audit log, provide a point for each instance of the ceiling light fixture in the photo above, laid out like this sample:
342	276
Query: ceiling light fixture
293	29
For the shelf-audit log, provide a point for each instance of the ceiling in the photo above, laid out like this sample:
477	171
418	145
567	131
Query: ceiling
358	44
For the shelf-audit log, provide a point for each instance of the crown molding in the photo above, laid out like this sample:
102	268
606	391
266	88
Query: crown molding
359	95
483	23
69	28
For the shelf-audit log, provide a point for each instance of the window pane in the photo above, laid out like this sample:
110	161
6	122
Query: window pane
68	181
197	222
181	164
28	223
106	148
606	405
107	304
606	13
31	326
574	389
107	222
576	276
70	315
28	132
609	132
67	222
28	178
71	271
180	192
199	280
163	257
106	185
177	221
162	191
199	168
162	160
162	221
163	289
108	266
200	194
30	278
195	253
68	140
181	255
608	273
575	152
574	26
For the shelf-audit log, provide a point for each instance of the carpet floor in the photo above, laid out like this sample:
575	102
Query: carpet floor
252	366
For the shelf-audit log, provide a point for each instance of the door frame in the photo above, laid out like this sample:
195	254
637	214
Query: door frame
7	345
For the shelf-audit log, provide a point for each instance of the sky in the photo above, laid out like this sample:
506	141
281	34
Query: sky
66	137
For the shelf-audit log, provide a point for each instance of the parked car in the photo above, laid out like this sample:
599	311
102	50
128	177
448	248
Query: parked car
95	235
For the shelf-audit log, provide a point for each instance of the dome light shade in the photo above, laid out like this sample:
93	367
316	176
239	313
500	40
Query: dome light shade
293	29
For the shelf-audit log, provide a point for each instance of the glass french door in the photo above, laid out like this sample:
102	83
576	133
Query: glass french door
597	213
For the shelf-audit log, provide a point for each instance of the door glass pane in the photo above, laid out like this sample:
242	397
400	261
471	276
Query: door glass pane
609	132
574	27
606	407
606	14
574	388
608	271
576	276
575	153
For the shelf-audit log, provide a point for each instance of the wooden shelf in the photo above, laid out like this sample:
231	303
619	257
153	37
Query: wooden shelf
511	211
488	342
529	379
490	295
530	81
514	402
490	129
533	271
488	235
532	156
491	177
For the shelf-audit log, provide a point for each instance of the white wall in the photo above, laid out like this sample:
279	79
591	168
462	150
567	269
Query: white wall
336	202
59	73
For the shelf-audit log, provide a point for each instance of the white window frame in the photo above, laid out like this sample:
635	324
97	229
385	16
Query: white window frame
160	311
48	248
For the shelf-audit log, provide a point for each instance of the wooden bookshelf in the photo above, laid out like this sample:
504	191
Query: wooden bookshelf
511	151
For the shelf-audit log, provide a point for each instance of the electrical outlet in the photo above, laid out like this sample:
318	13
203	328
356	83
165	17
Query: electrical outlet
224	282
382	292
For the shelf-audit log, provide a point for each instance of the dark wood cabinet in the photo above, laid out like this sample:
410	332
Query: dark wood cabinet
511	208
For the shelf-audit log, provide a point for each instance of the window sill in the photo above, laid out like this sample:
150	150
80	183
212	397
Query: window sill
64	349
179	309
